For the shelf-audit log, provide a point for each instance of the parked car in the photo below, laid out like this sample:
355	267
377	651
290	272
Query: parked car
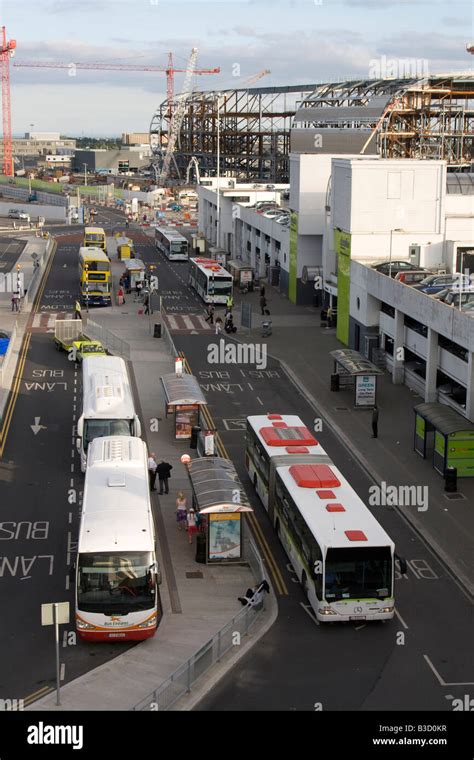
271	214
435	283
394	267
16	213
282	218
458	298
411	277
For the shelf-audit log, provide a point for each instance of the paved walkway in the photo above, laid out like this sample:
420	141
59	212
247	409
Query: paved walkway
303	346
194	608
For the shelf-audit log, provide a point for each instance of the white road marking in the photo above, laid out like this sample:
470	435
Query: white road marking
51	321
401	619
259	400
250	386
440	680
67	582
309	610
188	322
36	320
173	322
63	671
203	323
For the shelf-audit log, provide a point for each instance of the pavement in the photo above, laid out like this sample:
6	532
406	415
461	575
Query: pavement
303	348
194	608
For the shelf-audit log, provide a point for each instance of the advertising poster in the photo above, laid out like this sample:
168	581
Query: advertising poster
365	390
224	536
187	415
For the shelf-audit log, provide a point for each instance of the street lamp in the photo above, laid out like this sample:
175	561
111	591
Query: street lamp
397	229
218	226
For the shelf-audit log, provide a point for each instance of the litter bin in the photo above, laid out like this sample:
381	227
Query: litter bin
201	548
195	430
451	479
335	382
157	333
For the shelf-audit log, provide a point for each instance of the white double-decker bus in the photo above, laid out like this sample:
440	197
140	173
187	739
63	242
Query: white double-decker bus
174	245
273	439
342	556
210	280
107	403
117	574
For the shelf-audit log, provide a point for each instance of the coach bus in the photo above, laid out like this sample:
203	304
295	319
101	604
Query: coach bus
94	237
117	574
94	277
272	439
107	403
210	280
342	556
172	244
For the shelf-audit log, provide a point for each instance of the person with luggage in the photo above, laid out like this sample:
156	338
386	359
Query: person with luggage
229	326
263	306
210	313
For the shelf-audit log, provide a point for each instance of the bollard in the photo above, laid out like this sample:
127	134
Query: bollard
335	382
451	479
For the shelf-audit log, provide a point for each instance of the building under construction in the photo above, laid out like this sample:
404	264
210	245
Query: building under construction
430	117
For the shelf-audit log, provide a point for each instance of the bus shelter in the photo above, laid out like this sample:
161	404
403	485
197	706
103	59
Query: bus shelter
183	398
449	435
135	271
353	370
220	500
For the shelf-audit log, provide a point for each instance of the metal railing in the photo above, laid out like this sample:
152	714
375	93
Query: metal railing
110	341
185	677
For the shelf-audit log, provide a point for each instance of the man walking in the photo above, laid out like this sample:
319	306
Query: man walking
375	422
263	305
210	314
229	303
152	466
164	473
77	310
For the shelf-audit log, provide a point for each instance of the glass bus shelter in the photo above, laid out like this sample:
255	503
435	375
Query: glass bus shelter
183	398
448	435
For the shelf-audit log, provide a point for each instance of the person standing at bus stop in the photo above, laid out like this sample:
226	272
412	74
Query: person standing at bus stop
164	473
375	422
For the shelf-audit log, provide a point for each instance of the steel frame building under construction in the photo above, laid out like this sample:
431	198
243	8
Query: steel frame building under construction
429	117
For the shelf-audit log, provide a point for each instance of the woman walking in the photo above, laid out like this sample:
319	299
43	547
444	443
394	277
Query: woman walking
181	510
191	523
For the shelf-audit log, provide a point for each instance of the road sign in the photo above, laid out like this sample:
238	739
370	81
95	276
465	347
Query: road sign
47	613
246	316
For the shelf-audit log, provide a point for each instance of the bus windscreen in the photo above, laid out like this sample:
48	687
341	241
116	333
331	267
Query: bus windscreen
118	583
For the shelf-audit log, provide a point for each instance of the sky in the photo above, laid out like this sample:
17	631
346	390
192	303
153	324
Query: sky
299	41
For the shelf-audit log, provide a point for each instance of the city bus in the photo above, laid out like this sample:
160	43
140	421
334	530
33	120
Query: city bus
342	556
94	277
94	237
107	403
172	244
272	439
210	280
117	574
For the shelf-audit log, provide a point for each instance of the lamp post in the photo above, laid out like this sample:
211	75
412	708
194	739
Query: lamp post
18	285
397	229
218	225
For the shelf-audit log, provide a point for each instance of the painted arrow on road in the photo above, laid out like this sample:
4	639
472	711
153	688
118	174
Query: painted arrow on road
37	427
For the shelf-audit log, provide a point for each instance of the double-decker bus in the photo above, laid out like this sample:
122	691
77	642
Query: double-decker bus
210	280
117	573
94	237
94	277
108	408
172	244
274	439
342	556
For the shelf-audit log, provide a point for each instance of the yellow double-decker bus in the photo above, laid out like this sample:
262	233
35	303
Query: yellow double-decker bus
94	277
94	237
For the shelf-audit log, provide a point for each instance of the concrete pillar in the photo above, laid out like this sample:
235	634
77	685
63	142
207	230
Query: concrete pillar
398	370
470	388
431	394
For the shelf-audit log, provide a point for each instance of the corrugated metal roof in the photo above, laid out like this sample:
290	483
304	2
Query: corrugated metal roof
443	418
460	183
216	486
182	390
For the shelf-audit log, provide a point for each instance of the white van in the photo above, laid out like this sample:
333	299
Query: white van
107	403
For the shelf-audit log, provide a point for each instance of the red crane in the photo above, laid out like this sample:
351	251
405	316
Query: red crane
170	70
8	49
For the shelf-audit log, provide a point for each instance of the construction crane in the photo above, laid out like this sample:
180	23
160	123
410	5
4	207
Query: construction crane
7	52
178	117
255	77
170	71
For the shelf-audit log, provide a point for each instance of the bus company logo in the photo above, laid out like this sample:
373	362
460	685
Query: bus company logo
45	734
114	619
12	282
399	496
465	704
237	353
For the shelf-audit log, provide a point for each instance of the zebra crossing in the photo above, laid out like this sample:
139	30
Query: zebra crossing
187	323
45	323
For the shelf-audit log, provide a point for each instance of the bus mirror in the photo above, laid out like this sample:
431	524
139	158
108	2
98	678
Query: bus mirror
80	427
403	564
138	427
79	444
72	572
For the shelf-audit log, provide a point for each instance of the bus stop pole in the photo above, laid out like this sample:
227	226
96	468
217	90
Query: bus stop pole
56	636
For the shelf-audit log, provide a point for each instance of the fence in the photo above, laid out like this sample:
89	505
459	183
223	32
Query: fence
108	339
186	676
8	354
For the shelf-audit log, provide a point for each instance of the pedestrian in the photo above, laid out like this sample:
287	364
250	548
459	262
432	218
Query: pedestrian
229	326
329	316
229	303
127	225
146	303
375	422
120	296
263	304
77	310
218	326
14	302
181	510
152	467
210	313
138	287
262	291
164	473
254	596
191	523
